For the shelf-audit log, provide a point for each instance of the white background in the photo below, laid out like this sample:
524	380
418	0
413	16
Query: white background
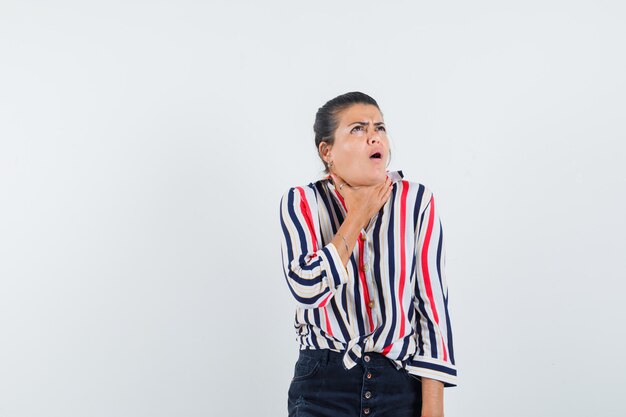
144	147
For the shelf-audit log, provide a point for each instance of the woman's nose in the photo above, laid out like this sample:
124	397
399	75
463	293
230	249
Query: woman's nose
374	138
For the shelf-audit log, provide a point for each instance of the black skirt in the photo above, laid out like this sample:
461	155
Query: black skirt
374	387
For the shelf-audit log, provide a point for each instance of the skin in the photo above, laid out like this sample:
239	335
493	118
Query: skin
361	131
366	188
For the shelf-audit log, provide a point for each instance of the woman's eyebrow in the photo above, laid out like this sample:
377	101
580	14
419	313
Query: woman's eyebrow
365	123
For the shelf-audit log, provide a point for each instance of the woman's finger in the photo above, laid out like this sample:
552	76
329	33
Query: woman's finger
388	189
384	187
339	184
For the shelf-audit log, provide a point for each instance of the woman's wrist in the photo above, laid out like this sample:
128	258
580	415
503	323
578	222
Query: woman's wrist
347	235
358	219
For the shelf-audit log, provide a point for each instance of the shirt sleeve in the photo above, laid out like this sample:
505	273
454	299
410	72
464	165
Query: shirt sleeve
434	357
312	273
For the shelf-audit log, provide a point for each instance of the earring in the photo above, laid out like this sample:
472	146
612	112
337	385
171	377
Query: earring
330	164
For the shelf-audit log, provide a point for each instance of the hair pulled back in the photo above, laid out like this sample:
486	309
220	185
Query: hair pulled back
327	117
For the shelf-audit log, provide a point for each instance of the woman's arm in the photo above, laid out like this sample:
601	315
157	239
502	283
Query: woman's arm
434	356
350	229
313	272
432	398
362	203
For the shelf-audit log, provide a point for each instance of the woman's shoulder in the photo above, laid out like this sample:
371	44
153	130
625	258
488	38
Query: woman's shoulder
419	195
415	185
303	191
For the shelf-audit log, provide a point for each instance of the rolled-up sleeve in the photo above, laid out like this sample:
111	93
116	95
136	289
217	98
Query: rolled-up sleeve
312	273
434	357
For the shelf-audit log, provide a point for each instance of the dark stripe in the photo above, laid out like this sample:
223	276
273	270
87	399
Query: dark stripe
333	269
406	340
307	281
445	296
418	328
295	221
417	206
290	251
422	218
322	192
421	306
357	296
433	366
450	343
344	305
439	248
317	320
336	207
342	326
285	230
377	273
392	266
308	300
304	300
431	329
311	322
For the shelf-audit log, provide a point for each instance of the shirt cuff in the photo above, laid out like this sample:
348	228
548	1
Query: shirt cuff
433	369
336	273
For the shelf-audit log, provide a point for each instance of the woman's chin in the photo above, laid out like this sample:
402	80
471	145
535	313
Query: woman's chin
373	178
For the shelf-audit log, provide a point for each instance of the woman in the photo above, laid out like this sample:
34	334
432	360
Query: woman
363	256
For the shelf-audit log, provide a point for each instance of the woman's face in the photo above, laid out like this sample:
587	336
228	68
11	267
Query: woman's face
361	149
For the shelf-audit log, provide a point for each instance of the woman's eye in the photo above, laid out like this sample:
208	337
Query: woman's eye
381	128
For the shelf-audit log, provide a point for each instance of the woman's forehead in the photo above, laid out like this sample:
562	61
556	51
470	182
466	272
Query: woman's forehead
363	113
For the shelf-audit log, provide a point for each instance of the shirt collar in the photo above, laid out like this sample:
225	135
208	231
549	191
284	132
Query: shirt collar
394	175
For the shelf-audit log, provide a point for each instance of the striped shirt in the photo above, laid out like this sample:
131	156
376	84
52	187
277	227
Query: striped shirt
392	296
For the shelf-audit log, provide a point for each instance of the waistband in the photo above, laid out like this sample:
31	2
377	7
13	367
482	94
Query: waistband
330	356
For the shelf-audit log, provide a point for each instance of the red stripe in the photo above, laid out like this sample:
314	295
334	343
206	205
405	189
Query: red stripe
366	295
306	212
403	197
325	301
429	290
405	190
328	328
343	203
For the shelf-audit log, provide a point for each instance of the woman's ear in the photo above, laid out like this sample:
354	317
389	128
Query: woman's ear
324	150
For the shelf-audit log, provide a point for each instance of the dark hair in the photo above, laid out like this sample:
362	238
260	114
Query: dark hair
327	120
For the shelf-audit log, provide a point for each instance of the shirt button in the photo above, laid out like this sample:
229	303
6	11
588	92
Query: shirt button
362	237
369	375
371	304
366	358
366	410
368	394
365	268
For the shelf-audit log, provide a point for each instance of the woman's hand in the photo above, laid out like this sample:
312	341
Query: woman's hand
365	201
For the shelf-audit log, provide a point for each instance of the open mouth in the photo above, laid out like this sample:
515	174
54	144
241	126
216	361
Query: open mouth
377	155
